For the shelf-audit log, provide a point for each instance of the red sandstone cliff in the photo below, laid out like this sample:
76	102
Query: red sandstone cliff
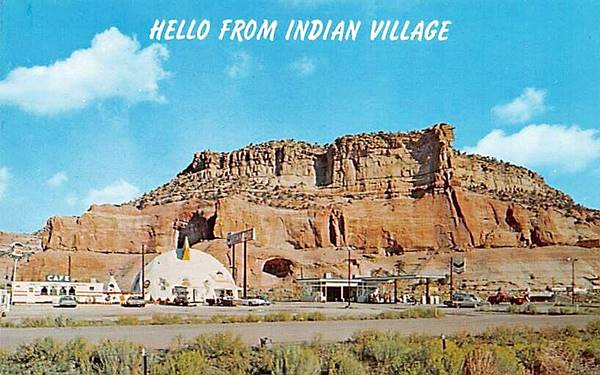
381	193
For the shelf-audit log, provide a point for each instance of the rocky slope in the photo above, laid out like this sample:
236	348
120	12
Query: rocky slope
381	193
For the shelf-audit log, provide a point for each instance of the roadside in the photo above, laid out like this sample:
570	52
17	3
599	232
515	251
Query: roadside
161	336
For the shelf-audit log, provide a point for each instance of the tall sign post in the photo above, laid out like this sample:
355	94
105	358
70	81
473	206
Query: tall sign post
572	260
234	238
233	266
451	280
458	264
16	255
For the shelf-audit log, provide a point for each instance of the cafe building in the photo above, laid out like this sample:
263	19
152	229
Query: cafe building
55	286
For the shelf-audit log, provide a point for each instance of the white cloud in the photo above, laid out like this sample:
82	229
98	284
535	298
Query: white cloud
304	66
4	176
57	180
241	64
117	192
522	108
115	66
567	148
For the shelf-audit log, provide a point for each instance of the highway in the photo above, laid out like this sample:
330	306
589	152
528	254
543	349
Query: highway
155	337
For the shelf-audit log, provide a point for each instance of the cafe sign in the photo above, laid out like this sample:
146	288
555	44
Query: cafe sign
58	278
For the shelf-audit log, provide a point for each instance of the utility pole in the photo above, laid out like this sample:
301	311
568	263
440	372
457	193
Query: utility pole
396	288
349	277
572	260
14	278
451	279
69	267
245	269
143	276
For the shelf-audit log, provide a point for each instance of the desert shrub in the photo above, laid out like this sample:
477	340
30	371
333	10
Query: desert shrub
480	361
310	316
115	358
251	318
162	319
412	313
593	328
531	309
223	351
40	357
427	356
507	361
384	352
492	360
423	312
281	316
390	314
79	352
37	322
294	360
508	335
340	360
550	360
186	362
128	321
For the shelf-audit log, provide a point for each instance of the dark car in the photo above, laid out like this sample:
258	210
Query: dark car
134	301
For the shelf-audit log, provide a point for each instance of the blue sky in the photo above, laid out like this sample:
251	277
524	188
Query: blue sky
113	119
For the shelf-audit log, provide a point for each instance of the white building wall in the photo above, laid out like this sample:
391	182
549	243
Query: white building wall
50	292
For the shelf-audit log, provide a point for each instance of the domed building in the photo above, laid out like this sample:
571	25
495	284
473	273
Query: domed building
200	273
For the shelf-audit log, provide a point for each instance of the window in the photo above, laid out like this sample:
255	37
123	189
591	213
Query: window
63	291
91	287
72	291
44	291
31	290
53	291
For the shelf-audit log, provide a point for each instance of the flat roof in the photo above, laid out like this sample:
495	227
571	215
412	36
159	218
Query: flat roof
373	278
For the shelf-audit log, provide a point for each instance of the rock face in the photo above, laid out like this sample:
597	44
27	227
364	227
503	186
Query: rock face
382	193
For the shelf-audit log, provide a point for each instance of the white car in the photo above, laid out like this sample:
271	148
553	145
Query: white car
254	301
67	301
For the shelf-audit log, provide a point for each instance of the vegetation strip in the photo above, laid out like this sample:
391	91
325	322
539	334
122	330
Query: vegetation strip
167	319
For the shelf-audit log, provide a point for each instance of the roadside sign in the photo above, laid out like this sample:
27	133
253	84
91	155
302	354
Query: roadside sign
459	264
234	238
58	278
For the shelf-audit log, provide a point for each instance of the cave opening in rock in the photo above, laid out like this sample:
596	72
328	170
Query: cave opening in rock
512	221
279	267
198	228
323	165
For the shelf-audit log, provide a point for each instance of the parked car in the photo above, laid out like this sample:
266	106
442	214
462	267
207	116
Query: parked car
134	301
461	299
222	301
255	301
180	296
67	301
503	297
